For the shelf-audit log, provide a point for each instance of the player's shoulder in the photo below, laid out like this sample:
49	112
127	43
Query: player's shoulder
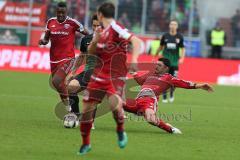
166	34
118	27
74	21
179	35
53	19
167	75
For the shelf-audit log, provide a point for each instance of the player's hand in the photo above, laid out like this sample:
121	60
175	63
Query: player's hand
97	34
42	42
205	87
181	60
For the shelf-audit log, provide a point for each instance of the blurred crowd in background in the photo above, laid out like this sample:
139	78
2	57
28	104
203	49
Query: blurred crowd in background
143	17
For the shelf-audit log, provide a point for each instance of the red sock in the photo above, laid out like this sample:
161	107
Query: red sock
164	126
119	118
85	128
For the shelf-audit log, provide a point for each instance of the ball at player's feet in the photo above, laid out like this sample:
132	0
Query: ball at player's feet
70	121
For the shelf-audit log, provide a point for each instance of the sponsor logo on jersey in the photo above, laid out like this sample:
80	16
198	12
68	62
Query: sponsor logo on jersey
60	33
66	26
171	45
177	40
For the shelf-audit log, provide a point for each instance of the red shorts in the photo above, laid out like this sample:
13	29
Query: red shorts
144	103
97	89
64	66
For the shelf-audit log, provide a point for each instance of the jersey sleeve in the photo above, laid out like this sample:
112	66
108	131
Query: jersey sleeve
122	31
77	25
181	44
140	79
162	43
47	27
178	83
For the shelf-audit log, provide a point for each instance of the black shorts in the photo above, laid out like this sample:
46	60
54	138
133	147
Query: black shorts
83	78
173	71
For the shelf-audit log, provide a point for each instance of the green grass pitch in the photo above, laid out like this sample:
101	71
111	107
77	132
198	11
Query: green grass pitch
29	129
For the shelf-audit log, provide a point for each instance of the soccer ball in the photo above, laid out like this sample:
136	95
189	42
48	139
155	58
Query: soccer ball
70	121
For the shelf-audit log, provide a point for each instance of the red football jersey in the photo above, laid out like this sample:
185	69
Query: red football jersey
62	37
112	51
155	85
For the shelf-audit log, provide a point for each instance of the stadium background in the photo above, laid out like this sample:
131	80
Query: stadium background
147	18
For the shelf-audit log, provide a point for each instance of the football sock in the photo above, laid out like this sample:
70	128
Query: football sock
171	92
85	129
164	95
161	124
74	102
119	118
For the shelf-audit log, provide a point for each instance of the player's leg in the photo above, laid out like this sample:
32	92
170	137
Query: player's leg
74	87
118	114
58	79
130	106
174	73
92	96
86	121
151	117
74	102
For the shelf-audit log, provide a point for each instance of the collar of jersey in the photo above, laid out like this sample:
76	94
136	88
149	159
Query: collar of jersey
64	20
111	24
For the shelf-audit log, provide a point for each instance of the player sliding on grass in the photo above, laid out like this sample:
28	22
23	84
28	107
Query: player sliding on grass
61	31
152	86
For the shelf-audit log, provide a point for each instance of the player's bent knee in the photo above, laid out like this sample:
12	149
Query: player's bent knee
73	86
115	102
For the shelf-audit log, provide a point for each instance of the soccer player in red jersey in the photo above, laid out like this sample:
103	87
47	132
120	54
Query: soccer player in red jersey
109	44
61	31
152	86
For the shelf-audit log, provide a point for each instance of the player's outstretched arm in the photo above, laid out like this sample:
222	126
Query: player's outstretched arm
45	39
204	86
179	83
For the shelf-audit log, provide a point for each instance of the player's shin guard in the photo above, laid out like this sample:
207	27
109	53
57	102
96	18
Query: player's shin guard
85	129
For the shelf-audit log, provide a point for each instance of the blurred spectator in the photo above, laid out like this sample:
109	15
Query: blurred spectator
236	28
125	20
9	37
136	28
217	39
133	11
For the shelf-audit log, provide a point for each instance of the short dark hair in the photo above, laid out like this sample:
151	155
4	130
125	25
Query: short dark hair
107	9
62	4
174	20
94	17
165	61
